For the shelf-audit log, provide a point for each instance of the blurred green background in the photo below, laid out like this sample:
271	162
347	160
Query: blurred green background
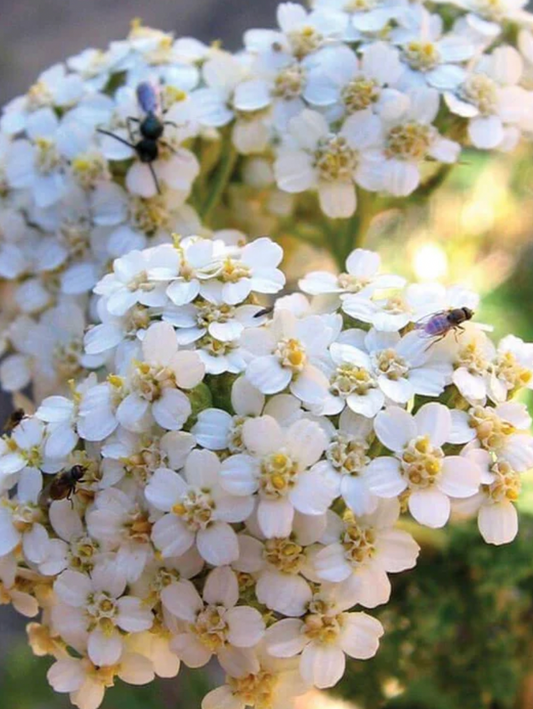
459	628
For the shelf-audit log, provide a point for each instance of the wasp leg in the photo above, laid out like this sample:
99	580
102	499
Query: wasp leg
151	168
170	123
169	147
116	137
129	120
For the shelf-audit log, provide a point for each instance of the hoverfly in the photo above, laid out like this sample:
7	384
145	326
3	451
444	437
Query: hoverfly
438	325
14	419
64	484
150	129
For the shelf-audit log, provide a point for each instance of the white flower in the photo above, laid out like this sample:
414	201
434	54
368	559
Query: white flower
332	163
198	511
361	551
280	467
22	519
347	456
215	624
323	636
38	163
86	682
342	84
284	355
512	368
93	609
54	87
431	57
121	525
154	382
502	431
490	97
382	366
361	277
497	517
419	465
274	680
410	139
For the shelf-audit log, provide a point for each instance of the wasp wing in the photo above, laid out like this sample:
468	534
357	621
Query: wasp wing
148	97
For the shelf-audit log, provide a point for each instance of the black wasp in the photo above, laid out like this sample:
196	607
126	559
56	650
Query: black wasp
64	485
150	128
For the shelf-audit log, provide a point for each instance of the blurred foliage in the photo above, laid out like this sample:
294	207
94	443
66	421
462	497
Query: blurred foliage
459	631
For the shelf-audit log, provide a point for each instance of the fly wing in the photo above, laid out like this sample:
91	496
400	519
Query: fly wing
148	97
424	324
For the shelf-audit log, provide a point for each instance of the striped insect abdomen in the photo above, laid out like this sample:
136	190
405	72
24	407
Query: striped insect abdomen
438	325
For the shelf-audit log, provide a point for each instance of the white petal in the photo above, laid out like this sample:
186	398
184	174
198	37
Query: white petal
322	665
104	649
498	523
395	428
218	544
430	507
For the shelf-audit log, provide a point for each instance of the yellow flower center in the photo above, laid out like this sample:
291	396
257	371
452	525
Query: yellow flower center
351	379
480	90
360	93
491	430
89	168
304	40
284	554
509	369
421	463
324	629
391	364
278	475
291	354
409	141
358	541
150	214
195	508
347	455
210	627
47	157
254	690
423	56
290	82
507	485
149	381
335	159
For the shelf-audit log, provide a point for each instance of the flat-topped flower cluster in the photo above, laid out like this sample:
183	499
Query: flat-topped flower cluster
340	99
247	474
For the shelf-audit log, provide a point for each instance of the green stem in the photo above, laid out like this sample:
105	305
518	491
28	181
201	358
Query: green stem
356	228
221	178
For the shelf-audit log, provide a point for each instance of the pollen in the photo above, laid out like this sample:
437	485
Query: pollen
421	463
360	93
422	56
410	141
291	354
289	83
335	159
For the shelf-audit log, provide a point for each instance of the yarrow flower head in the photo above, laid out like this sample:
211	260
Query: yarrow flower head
167	511
216	467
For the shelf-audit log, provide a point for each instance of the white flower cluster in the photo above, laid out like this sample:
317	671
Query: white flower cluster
237	485
343	98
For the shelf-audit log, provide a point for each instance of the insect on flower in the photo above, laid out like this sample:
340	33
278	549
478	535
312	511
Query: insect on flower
64	485
14	419
150	129
439	324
